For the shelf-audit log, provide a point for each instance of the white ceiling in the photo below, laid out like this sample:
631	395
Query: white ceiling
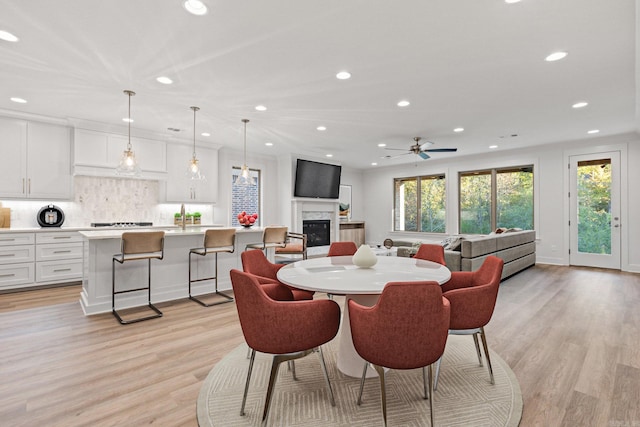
477	64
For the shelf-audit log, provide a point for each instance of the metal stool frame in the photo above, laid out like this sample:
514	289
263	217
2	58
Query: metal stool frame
148	252
204	251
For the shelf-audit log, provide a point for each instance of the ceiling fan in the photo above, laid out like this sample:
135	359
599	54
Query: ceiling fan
421	149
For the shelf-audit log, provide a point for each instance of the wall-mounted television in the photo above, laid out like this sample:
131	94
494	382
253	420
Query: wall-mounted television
317	180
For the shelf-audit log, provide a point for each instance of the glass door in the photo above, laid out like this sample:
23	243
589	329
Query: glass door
595	210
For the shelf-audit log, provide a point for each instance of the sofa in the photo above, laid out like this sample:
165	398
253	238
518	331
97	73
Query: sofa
467	253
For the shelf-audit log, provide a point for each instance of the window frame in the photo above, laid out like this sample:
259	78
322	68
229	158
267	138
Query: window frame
418	179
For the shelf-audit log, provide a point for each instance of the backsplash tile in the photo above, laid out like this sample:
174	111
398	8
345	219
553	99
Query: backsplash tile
99	199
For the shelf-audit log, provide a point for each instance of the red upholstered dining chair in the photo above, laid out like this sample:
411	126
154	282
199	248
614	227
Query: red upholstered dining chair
431	252
406	329
287	330
342	249
472	295
256	263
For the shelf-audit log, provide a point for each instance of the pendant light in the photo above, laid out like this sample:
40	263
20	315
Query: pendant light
128	165
193	170
245	175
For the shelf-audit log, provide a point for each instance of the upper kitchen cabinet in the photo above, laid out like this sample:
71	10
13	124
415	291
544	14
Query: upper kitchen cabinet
98	153
35	159
179	187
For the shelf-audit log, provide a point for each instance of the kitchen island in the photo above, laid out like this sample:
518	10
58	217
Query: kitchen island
169	276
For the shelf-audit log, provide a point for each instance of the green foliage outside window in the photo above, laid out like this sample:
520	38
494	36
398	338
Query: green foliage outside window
428	192
512	203
594	208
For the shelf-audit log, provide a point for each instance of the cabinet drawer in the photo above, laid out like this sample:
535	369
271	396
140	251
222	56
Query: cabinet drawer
15	254
59	237
15	274
17	239
58	271
52	252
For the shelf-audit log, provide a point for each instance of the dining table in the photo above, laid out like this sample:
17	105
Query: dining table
340	276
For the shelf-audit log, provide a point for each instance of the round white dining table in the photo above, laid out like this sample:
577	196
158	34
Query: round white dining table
339	276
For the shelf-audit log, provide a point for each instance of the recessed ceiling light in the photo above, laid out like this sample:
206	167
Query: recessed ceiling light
329	155
374	164
404	103
382	144
493	146
343	75
269	144
164	80
19	100
592	131
7	36
205	134
458	130
555	56
321	128
261	108
127	120
580	104
512	1
195	7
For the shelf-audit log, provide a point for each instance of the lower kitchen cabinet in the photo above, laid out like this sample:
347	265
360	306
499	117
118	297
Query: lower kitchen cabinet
41	258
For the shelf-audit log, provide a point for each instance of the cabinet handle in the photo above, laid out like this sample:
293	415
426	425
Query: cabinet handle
7	275
62	237
7	255
61	269
23	185
8	239
29	185
61	252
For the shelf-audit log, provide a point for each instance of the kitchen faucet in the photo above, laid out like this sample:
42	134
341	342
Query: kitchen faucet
182	216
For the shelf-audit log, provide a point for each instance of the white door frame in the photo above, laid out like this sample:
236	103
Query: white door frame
614	260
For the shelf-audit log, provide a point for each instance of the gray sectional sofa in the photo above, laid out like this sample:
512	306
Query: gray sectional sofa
516	248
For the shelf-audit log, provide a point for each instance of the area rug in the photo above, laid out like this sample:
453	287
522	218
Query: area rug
464	397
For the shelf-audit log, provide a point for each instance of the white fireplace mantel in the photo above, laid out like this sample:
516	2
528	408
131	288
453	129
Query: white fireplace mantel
316	209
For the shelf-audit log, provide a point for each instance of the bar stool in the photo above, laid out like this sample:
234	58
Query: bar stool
215	241
136	246
292	248
273	236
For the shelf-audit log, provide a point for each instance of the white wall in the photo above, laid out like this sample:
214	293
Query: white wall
550	174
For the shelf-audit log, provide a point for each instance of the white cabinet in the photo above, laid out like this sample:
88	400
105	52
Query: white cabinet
34	259
35	159
179	187
98	153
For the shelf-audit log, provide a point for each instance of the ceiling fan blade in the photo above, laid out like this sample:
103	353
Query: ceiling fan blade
441	150
424	155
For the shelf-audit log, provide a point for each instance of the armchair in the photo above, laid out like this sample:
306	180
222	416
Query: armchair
287	330
256	263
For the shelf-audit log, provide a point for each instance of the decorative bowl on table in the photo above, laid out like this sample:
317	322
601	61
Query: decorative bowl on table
247	220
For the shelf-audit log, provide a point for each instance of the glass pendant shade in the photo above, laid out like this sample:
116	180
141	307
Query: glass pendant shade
128	165
245	178
193	168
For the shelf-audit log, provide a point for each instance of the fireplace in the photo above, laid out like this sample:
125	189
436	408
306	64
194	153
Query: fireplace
318	232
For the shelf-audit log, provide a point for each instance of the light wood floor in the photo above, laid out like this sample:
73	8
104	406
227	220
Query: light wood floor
571	335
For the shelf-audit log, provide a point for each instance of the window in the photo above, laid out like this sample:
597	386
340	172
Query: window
419	204
496	198
245	197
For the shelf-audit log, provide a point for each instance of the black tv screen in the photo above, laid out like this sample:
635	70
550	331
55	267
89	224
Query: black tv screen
317	180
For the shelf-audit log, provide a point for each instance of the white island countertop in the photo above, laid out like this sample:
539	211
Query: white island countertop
116	232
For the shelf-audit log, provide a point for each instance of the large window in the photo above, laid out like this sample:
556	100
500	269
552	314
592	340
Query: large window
245	197
419	204
496	198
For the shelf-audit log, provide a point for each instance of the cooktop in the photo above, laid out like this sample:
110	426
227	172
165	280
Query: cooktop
121	224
